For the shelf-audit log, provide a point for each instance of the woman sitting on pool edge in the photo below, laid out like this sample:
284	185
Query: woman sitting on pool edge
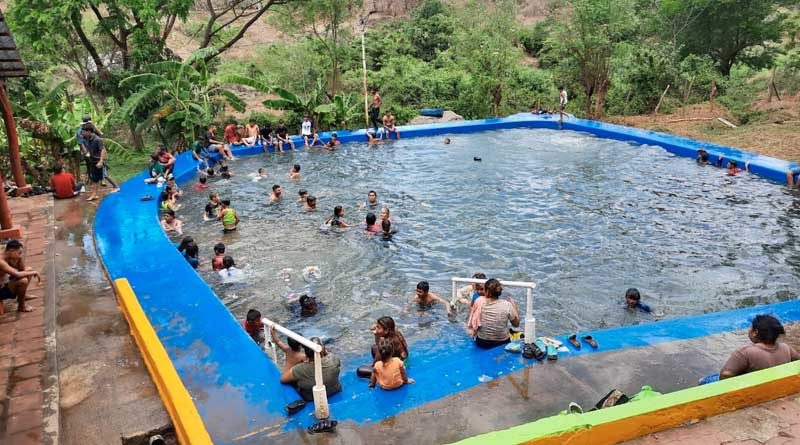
765	352
385	331
490	316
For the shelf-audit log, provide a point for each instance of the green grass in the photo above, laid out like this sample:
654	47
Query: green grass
123	168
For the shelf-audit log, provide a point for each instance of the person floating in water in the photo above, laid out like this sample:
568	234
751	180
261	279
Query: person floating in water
219	257
254	326
388	371
228	216
471	292
426	299
276	195
212	207
370	224
702	157
372	201
310	204
386	229
633	301
336	219
229	269
170	223
294	173
308	306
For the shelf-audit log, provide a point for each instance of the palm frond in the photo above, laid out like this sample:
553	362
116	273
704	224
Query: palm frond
143	79
233	100
139	98
235	79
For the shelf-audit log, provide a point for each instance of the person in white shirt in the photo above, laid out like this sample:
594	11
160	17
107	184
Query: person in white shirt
305	130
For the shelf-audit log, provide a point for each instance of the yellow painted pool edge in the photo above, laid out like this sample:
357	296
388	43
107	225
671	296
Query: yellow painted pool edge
636	419
188	425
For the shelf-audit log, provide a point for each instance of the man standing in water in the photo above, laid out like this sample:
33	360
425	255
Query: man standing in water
562	102
375	109
15	276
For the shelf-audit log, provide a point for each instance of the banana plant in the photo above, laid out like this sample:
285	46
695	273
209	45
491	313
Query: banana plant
308	103
338	113
179	98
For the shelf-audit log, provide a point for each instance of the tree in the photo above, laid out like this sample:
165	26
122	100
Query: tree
584	43
724	29
311	103
181	97
483	46
323	21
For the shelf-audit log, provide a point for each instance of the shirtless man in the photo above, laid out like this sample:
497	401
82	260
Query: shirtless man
252	133
425	299
277	194
15	276
371	202
562	102
389	126
375	109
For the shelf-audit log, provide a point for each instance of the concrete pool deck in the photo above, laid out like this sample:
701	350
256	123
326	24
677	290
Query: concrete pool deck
235	386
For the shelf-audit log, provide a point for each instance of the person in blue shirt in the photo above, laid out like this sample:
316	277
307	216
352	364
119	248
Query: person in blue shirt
633	301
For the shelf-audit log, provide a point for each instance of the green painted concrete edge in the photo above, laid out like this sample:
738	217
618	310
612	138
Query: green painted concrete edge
559	424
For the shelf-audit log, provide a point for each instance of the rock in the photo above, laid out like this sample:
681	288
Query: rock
448	116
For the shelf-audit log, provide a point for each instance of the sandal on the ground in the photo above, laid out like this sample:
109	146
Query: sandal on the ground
531	350
364	372
573	340
324	426
590	341
552	352
295	406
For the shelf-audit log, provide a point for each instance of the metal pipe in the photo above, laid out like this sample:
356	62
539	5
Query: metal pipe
527	284
320	394
289	333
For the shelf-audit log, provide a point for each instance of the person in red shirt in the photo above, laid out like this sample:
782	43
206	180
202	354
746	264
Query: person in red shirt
63	184
166	159
254	326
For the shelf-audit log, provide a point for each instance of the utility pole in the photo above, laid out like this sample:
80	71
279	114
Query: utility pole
363	25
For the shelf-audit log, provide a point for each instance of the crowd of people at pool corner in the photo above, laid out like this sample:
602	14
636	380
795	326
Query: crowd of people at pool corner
489	316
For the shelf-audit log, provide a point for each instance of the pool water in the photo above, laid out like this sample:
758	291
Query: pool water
583	217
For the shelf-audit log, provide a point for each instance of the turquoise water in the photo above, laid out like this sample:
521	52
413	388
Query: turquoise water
584	218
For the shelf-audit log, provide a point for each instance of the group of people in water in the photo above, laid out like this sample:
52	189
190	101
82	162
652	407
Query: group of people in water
491	320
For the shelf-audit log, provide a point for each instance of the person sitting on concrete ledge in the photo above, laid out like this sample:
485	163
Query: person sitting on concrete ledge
15	276
63	184
301	375
765	352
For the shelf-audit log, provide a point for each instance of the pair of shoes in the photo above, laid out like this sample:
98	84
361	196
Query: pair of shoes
531	350
324	426
573	340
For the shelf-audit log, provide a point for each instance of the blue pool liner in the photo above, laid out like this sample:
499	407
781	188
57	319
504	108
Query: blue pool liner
233	383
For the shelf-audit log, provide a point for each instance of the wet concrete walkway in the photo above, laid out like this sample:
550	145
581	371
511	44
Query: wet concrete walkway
544	390
106	391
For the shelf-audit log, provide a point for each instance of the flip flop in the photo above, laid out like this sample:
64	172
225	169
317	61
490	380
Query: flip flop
590	341
295	406
514	347
325	426
573	340
552	342
364	371
552	352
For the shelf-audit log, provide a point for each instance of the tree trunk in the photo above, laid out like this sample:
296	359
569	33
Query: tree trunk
136	137
599	103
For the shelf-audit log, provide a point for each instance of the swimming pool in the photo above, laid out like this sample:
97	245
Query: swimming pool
583	217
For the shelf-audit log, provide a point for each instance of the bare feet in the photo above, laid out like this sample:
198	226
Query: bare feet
114	191
25	308
91	198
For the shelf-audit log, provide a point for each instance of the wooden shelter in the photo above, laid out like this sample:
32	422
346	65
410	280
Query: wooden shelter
10	66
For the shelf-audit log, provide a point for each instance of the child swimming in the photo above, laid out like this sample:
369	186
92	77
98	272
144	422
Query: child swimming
212	207
336	219
229	270
633	301
191	254
219	256
201	184
254	326
303	196
294	173
311	204
370	224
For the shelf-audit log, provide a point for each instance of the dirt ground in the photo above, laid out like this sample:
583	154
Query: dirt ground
778	135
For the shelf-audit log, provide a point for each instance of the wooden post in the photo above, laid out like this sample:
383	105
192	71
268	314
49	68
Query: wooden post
7	229
366	93
658	105
13	139
712	95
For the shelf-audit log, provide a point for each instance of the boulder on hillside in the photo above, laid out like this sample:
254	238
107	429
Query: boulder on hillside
448	116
